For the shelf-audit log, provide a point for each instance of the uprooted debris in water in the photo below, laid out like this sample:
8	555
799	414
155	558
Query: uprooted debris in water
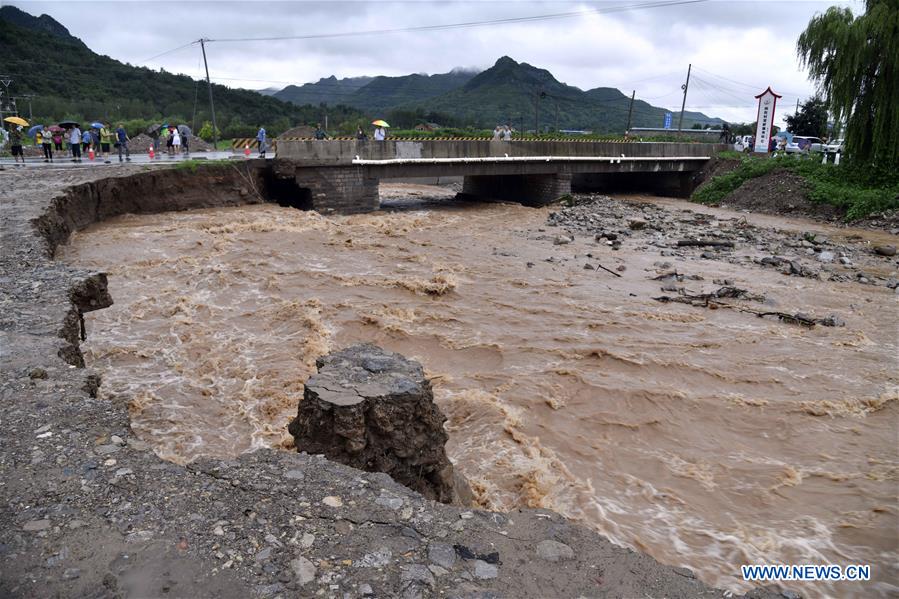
704	299
709	300
720	243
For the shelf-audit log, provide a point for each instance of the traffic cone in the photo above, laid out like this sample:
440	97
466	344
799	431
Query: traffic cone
90	153
151	153
246	150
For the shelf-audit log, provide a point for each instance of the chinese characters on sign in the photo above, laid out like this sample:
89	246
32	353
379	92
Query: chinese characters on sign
767	103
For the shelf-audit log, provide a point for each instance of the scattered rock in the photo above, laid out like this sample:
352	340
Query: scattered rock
333	501
636	224
885	250
35	525
38	373
825	257
442	554
562	240
554	551
71	573
416	573
484	570
303	569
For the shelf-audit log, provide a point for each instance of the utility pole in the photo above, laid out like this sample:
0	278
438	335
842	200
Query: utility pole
215	133
685	87
630	112
537	113
193	120
797	106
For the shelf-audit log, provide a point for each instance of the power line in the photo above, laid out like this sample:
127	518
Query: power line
463	25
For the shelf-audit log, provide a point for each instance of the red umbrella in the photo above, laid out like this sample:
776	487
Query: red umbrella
55	128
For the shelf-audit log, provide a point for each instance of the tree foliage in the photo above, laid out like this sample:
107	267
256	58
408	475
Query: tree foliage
810	120
855	61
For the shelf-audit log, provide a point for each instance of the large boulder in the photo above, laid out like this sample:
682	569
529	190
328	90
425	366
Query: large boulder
374	410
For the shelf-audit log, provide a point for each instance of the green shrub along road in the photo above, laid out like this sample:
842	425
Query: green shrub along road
859	191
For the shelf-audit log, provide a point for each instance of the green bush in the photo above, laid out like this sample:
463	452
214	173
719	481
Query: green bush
859	190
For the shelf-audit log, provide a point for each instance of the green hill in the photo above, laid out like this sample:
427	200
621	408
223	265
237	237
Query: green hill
376	95
69	81
520	94
327	90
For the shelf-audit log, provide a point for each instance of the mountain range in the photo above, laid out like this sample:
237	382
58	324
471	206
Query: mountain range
68	80
508	92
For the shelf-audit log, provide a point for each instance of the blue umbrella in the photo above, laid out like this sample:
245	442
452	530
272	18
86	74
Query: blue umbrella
97	125
34	130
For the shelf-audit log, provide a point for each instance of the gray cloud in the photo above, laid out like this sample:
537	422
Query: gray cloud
737	48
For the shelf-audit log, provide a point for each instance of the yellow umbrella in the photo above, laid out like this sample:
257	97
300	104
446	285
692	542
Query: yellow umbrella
380	123
16	120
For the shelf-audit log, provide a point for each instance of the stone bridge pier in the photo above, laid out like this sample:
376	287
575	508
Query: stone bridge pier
530	190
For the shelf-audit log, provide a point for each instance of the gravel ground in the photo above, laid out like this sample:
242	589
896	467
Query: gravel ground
88	511
795	252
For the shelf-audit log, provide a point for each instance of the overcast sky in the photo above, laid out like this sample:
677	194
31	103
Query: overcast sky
737	48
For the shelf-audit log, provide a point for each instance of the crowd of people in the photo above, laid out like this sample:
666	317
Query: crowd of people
68	138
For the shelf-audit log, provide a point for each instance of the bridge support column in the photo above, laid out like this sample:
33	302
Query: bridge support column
530	190
343	190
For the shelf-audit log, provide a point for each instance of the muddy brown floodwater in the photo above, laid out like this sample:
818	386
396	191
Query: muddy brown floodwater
707	438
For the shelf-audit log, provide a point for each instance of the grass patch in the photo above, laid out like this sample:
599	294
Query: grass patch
859	190
730	155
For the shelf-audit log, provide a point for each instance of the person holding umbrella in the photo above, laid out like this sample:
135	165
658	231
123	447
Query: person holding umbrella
153	132
15	136
95	137
380	131
86	140
15	143
185	132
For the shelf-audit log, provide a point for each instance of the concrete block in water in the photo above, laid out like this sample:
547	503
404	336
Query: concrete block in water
374	410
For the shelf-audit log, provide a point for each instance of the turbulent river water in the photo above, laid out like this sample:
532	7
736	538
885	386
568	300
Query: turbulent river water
707	438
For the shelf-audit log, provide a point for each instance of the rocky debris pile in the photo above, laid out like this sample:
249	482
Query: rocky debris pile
141	143
696	235
374	410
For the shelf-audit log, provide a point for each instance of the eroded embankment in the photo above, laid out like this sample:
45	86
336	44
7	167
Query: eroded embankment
88	511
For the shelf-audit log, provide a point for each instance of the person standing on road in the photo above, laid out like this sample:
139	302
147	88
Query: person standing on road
106	141
45	142
155	137
86	140
122	140
320	134
170	142
263	141
497	133
380	134
95	141
507	133
75	143
176	142
15	144
57	140
360	134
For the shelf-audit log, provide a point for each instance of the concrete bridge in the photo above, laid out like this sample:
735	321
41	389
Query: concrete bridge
343	175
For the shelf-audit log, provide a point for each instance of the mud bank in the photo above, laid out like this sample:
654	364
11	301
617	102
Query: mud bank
87	510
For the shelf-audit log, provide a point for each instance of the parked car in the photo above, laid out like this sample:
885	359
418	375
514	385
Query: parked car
803	145
834	146
743	143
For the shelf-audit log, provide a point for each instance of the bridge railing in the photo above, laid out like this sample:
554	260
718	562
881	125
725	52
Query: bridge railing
334	152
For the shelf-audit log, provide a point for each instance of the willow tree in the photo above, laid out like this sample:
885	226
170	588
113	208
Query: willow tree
855	63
